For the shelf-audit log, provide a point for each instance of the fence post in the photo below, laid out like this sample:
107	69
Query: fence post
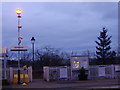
11	74
48	74
113	71
30	72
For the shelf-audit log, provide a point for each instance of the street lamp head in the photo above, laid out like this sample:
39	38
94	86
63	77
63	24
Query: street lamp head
32	39
18	11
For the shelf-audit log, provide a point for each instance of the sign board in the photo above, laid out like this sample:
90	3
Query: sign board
63	72
117	67
101	71
3	51
19	48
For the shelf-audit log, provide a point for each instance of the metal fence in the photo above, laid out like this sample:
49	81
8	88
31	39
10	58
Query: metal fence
104	71
11	71
56	73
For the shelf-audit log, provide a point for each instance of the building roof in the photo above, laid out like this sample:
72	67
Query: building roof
79	56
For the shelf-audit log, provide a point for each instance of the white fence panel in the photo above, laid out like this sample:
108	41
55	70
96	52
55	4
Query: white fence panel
108	71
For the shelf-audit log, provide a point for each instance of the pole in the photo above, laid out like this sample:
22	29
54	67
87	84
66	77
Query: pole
33	55
5	58
19	41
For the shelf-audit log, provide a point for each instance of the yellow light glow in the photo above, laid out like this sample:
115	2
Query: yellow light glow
77	62
74	61
20	37
75	57
18	11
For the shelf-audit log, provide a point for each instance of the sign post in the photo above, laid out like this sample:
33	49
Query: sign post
19	48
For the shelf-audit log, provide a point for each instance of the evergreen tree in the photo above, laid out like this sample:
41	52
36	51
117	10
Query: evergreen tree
103	47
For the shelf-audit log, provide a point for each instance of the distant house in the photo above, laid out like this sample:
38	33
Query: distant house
77	62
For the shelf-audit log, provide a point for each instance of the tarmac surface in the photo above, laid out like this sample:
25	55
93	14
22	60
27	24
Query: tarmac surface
68	85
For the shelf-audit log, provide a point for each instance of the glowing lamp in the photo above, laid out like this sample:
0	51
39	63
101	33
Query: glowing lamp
18	11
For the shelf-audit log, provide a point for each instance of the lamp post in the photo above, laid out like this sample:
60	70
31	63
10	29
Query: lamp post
18	12
33	42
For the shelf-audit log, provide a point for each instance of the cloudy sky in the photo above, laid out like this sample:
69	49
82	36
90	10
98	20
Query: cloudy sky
70	26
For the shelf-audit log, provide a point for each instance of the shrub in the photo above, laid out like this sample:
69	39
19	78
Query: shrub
82	75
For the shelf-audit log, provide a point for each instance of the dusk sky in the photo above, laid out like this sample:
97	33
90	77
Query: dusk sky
69	26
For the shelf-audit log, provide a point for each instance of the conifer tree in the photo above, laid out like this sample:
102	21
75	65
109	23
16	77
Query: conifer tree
103	47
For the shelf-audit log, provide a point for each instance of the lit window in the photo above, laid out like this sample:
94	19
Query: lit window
75	57
75	61
76	64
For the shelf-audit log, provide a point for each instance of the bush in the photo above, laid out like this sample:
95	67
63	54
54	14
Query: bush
82	75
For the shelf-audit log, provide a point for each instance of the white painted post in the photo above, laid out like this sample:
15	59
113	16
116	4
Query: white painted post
113	71
48	74
30	73
11	74
5	58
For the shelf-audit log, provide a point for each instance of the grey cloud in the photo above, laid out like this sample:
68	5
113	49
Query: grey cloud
62	25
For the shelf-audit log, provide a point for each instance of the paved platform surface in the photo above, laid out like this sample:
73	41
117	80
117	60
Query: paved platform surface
68	85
